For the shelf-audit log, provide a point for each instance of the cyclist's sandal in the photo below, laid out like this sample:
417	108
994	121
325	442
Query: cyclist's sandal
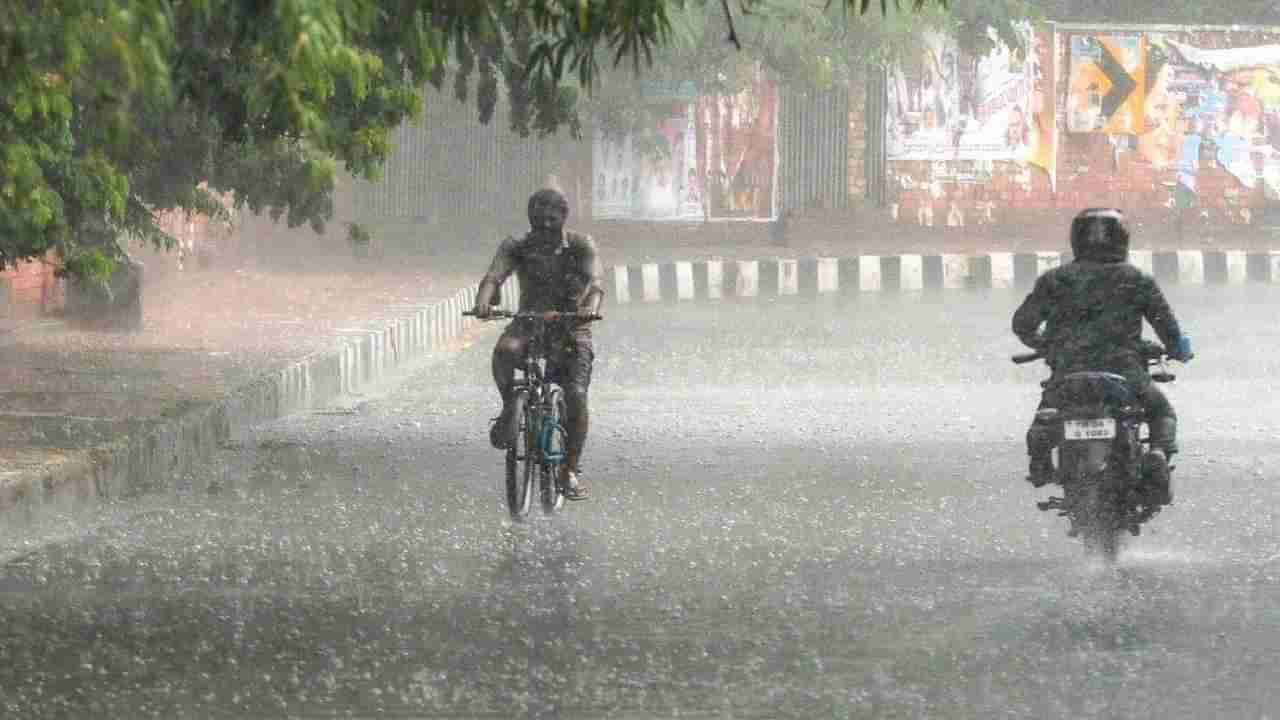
577	490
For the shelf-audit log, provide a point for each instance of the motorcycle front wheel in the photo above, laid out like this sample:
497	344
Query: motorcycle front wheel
521	459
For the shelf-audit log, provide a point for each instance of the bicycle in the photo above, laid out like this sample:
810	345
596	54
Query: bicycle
538	435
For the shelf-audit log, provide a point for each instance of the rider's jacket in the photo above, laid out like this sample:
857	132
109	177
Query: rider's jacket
1092	310
554	275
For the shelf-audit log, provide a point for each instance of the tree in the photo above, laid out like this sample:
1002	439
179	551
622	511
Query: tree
61	62
116	109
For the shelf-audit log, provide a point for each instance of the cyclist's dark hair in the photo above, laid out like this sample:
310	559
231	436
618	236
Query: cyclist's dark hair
550	196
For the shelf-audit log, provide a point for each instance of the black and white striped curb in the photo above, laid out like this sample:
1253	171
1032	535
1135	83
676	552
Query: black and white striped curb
775	277
421	329
161	454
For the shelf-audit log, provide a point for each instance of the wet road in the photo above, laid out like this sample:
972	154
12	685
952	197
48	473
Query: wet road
800	511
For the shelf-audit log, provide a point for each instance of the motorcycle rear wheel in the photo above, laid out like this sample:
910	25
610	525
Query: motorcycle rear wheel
1103	543
1096	517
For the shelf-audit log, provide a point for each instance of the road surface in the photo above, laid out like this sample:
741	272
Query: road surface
800	510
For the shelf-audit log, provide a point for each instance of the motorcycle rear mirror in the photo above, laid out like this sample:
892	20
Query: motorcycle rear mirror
1163	377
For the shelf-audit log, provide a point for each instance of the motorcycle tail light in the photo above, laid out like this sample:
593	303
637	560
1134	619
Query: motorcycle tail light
1047	415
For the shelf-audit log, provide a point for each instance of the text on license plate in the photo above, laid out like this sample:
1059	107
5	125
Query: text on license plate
1092	429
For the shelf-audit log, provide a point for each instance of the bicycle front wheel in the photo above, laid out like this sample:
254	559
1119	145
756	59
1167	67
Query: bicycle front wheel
520	455
553	443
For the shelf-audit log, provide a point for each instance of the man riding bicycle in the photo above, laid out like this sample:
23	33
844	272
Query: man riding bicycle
1092	311
559	272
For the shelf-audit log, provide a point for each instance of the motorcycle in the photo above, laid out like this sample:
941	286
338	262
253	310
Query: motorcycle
1109	476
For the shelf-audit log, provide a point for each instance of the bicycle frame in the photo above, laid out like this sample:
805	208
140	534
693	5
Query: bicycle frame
540	390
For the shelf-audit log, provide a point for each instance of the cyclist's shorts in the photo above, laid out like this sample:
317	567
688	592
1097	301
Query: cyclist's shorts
569	357
571	360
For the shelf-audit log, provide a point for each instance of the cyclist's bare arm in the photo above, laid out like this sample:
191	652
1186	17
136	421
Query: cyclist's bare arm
500	269
593	295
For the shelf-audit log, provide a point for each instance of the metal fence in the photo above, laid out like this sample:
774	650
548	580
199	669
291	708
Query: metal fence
447	166
875	158
813	149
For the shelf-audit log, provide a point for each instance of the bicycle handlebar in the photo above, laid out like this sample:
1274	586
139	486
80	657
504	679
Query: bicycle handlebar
496	314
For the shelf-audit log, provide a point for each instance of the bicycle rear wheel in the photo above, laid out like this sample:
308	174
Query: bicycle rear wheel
553	445
519	459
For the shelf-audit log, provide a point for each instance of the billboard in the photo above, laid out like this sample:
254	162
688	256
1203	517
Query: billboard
658	184
946	104
1106	84
714	158
1225	100
737	151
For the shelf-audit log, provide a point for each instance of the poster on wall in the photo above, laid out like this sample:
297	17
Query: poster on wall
737	152
1042	146
1227	98
1106	84
949	105
716	159
659	183
613	173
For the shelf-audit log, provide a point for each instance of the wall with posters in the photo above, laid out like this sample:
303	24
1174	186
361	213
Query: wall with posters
961	128
1165	122
716	161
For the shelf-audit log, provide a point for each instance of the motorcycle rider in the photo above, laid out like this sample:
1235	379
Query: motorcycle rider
1091	310
559	271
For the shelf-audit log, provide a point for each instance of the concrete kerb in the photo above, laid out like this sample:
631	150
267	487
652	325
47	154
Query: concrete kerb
168	449
776	277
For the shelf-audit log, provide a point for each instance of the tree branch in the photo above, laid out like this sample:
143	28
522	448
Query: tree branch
733	34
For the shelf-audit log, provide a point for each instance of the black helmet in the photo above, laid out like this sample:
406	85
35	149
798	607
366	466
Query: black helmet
1100	234
548	196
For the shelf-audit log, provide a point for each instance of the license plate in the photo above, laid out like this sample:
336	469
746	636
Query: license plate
1092	429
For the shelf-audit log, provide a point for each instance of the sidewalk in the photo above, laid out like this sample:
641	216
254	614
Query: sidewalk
86	415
